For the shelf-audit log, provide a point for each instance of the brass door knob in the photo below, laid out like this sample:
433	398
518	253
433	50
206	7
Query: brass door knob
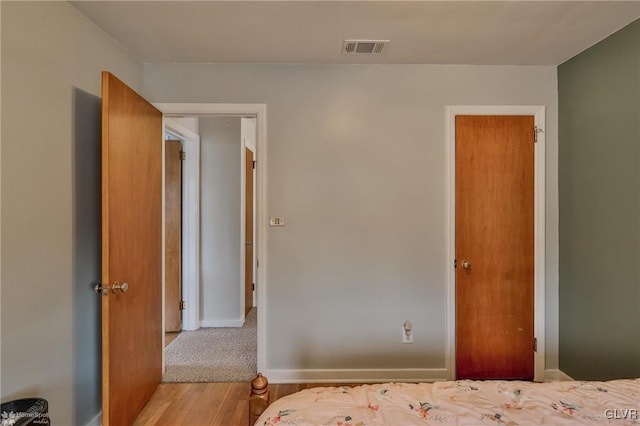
104	288
465	264
122	287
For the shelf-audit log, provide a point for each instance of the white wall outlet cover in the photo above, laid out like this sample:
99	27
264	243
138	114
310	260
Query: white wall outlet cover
276	221
407	337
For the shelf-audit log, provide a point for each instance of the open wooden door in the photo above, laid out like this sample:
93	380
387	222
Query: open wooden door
248	259
173	236
494	247
131	251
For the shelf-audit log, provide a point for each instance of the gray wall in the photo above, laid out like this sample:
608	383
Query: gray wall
87	261
220	220
599	184
356	164
51	62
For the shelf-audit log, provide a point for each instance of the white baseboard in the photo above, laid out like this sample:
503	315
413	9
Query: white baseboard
377	375
96	421
357	375
222	323
556	376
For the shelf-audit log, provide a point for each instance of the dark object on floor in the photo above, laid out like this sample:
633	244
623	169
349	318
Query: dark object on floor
28	411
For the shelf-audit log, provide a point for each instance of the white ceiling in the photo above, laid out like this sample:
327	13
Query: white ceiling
421	32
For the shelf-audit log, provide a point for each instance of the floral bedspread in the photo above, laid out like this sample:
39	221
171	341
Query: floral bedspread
463	402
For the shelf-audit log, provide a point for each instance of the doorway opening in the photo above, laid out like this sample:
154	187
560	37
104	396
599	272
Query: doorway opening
223	238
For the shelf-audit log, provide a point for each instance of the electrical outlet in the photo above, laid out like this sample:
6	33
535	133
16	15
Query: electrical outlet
407	333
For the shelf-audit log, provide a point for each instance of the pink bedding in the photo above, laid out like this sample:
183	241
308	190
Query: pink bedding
461	403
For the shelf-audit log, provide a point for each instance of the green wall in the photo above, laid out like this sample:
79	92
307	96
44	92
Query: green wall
599	201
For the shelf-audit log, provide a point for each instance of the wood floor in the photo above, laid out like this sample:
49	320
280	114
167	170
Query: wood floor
208	404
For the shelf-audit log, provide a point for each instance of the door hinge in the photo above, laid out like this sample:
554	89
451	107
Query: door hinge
183	155
253	286
254	164
455	263
257	263
535	344
536	130
182	305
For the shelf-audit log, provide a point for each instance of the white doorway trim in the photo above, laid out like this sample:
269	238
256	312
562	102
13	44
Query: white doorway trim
259	111
538	111
190	222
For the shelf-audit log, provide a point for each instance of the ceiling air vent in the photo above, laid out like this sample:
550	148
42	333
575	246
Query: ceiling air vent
364	47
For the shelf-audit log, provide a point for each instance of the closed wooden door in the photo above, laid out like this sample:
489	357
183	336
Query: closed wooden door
173	236
248	262
131	251
494	247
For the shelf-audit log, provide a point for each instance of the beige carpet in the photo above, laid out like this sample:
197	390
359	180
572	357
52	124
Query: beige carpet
213	354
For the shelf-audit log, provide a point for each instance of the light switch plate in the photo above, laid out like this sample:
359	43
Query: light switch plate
276	221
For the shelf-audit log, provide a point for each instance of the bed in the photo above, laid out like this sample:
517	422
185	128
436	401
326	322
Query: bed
464	402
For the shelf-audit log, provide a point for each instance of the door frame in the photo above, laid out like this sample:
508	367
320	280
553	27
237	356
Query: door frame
249	148
166	129
250	144
538	111
190	222
259	111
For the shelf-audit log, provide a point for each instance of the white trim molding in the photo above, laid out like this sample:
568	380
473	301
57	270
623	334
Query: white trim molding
259	111
556	376
538	111
357	375
96	420
223	323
